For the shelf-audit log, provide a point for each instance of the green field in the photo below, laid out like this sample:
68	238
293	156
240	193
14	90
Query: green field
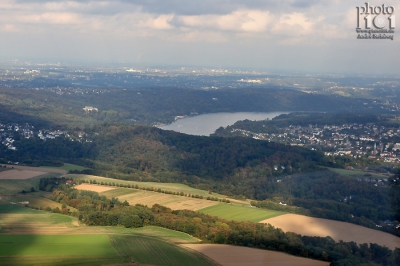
239	213
356	173
55	239
15	219
165	234
22	245
6	208
94	250
68	167
35	201
62	260
17	185
151	251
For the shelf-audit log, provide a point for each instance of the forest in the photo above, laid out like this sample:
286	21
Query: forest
237	167
147	106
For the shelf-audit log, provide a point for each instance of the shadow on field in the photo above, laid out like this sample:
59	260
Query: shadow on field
13	230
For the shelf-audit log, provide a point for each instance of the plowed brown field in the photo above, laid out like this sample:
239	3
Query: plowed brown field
244	256
20	174
347	232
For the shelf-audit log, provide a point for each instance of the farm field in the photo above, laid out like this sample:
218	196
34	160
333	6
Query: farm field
163	233
16	219
118	192
95	188
227	255
4	168
239	213
63	260
19	174
171	201
39	169
155	252
36	201
149	198
356	173
94	250
66	167
174	187
22	245
30	237
347	232
15	185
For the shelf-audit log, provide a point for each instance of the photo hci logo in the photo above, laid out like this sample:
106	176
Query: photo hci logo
375	22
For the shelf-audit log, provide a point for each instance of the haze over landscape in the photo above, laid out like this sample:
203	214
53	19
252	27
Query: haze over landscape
278	36
199	133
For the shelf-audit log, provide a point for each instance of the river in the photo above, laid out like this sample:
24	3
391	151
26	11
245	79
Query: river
206	124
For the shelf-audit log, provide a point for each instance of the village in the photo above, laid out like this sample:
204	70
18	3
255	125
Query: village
10	132
355	140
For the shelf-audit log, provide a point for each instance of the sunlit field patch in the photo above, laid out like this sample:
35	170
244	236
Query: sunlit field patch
13	245
347	232
239	213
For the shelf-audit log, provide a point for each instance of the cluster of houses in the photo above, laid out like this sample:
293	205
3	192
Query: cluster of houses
9	132
51	134
356	140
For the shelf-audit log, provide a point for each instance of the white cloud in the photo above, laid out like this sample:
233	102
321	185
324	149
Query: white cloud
51	18
127	18
161	22
295	24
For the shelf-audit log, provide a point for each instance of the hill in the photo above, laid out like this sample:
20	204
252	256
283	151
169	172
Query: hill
234	166
237	167
159	105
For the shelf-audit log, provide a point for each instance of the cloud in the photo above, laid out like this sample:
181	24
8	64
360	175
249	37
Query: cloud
270	18
245	31
240	20
52	18
178	20
295	24
178	7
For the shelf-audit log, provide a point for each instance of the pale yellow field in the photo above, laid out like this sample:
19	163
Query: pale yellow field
347	232
244	256
175	187
20	174
94	188
171	201
149	198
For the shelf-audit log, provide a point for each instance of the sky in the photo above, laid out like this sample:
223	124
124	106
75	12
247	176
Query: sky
316	36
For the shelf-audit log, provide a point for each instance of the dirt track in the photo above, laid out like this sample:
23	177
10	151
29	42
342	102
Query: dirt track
244	256
337	230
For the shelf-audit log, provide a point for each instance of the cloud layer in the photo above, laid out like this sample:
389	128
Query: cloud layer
232	31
